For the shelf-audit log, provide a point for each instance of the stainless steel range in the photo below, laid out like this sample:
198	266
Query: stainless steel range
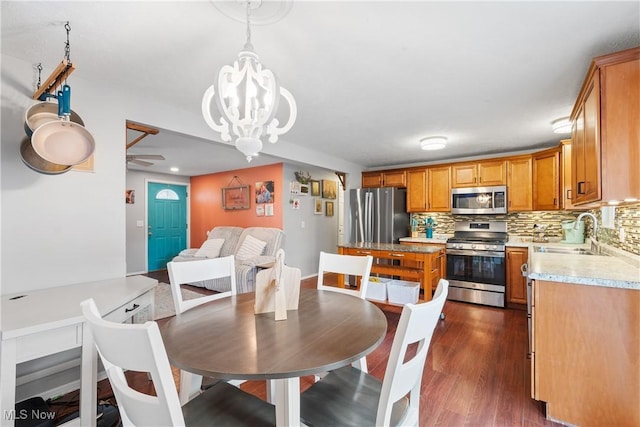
476	267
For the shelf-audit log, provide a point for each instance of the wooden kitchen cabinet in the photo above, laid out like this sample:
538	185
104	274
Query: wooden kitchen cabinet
439	189
395	178
585	355
546	180
417	190
566	189
519	184
606	131
479	174
516	282
429	189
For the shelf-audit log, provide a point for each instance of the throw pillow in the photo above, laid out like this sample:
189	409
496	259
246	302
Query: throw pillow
250	248
210	248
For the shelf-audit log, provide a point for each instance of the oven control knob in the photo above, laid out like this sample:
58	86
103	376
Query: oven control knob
473	246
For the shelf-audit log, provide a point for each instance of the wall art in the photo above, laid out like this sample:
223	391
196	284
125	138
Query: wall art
234	198
329	189
264	192
315	188
329	208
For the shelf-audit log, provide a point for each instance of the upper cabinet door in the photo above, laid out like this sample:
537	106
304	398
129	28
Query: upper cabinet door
394	179
439	185
417	190
519	184
371	179
546	180
492	173
464	175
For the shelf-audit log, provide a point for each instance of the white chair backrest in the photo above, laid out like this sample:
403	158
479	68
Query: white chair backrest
416	325
136	347
352	265
185	272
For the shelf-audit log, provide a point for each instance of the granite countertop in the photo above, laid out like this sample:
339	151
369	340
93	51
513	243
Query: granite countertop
614	268
439	239
393	247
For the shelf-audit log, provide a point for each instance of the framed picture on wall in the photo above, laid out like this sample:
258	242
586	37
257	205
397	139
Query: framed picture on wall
329	189
329	208
234	198
315	188
318	207
264	192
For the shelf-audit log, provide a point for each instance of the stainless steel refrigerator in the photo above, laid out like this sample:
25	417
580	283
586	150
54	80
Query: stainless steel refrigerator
378	215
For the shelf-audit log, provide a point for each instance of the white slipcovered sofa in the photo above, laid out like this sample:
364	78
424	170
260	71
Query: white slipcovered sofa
246	245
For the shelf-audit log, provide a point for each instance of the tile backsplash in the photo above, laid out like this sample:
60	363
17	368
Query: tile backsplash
521	223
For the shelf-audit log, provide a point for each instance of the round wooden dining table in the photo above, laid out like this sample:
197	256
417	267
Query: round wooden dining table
225	339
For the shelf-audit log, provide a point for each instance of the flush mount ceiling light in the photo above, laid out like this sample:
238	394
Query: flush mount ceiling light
433	143
247	96
562	125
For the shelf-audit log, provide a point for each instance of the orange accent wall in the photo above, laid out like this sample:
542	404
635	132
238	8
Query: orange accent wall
206	201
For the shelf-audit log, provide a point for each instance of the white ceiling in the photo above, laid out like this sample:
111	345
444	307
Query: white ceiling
370	78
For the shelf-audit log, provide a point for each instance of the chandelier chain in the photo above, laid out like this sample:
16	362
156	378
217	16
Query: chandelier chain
248	22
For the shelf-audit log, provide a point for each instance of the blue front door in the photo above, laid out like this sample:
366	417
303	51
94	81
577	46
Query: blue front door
167	223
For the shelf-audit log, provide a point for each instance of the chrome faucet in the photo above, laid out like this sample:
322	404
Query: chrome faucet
594	220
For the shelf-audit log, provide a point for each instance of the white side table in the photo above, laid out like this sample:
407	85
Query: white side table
48	321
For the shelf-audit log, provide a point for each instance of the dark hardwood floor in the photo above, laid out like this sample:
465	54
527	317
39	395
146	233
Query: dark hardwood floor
476	374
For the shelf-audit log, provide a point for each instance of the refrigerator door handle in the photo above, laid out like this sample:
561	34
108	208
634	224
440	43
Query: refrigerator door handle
368	218
359	218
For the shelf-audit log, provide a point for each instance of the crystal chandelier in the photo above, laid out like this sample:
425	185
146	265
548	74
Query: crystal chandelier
247	96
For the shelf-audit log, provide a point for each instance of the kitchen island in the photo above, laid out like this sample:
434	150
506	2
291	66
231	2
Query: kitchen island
416	262
585	361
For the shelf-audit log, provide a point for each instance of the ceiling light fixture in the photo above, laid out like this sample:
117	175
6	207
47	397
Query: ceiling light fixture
433	143
562	125
247	96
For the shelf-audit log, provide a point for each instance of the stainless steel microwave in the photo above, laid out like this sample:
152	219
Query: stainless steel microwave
479	200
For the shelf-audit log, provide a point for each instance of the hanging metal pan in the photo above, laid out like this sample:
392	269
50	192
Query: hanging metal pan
63	142
45	112
37	163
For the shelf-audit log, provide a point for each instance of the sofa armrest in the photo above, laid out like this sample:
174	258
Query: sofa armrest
262	261
188	252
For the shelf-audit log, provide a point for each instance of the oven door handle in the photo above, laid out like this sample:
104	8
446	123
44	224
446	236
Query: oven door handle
466	252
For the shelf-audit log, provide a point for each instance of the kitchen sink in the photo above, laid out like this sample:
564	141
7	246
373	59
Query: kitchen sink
558	250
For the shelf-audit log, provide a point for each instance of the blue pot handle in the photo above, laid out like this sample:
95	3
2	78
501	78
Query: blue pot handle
66	100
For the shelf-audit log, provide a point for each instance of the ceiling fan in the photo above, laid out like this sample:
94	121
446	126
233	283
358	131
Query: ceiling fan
137	158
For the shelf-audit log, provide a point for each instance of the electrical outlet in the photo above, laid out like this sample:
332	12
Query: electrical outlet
302	224
622	234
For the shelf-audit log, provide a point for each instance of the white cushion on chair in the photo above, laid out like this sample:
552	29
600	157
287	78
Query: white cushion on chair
250	248
210	248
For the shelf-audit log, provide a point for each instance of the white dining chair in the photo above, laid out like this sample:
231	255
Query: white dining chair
349	265
350	397
139	347
185	272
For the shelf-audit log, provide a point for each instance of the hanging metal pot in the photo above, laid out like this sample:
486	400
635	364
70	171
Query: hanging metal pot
63	141
45	112
37	163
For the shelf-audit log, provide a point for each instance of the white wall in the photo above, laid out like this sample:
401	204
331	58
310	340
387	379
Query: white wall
320	232
137	236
